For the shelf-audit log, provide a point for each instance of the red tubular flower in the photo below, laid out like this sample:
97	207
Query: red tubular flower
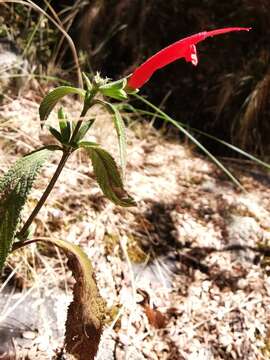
184	48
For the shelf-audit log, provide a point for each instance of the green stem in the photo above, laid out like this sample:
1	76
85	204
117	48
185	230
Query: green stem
67	152
88	103
22	233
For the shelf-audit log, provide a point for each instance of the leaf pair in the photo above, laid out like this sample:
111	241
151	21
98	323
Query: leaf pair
105	168
65	135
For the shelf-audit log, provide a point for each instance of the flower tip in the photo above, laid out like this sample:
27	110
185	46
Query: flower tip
244	28
212	33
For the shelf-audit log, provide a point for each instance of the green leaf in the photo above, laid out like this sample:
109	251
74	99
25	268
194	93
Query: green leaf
115	94
87	81
51	99
65	129
88	144
107	175
15	186
115	89
83	130
120	130
64	125
118	84
56	134
61	114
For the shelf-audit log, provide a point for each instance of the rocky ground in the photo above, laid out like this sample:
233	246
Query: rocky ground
178	271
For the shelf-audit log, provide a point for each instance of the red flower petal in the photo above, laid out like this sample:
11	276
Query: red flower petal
184	48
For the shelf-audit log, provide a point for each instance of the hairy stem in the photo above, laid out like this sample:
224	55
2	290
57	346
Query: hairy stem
22	233
87	104
67	152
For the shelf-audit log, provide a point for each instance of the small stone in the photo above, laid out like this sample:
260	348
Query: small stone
43	347
43	344
29	335
242	284
225	340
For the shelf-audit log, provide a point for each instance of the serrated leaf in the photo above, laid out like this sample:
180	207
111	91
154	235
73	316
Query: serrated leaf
120	130
15	186
51	99
107	175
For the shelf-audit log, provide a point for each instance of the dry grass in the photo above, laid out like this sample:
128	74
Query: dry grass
216	302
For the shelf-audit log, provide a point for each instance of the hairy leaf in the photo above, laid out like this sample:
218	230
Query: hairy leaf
15	186
121	132
107	175
51	99
86	313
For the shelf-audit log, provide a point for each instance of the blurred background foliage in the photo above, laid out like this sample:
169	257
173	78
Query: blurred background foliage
227	95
